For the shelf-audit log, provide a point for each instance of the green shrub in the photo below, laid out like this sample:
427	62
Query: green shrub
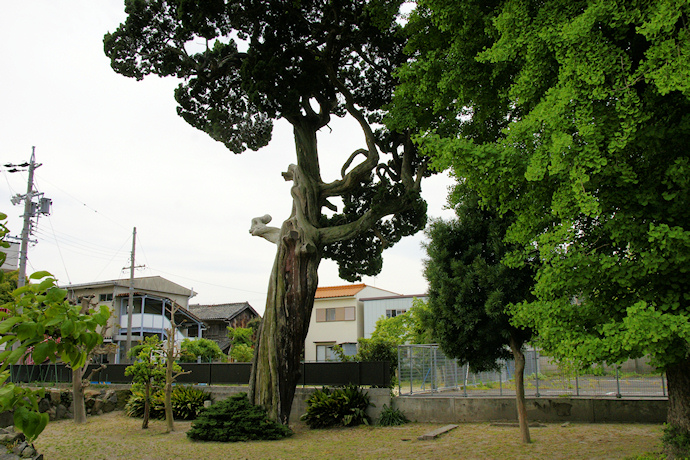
187	402
339	407
392	417
676	442
236	419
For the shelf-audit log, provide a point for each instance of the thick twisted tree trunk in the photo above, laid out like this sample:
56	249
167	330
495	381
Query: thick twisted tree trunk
678	377
519	357
292	286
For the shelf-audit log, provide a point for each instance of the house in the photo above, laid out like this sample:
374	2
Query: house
218	318
376	308
338	319
155	300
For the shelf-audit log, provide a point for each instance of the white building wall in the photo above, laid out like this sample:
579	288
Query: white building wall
374	309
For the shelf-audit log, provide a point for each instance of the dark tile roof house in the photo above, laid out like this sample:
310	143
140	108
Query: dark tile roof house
219	317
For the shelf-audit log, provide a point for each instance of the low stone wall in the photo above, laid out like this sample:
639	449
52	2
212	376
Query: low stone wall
57	402
440	409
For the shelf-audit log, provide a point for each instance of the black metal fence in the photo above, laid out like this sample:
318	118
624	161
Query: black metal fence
329	373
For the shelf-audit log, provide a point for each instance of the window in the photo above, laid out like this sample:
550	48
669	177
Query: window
325	352
105	297
335	314
349	349
393	313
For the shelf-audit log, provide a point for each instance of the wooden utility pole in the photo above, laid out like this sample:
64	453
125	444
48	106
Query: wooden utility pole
130	306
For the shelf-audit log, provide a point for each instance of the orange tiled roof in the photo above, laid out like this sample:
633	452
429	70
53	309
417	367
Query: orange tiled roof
338	291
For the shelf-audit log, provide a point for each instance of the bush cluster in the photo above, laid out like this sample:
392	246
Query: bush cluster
187	402
236	419
338	407
392	417
676	442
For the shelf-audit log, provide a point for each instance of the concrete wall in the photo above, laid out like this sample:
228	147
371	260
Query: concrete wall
441	409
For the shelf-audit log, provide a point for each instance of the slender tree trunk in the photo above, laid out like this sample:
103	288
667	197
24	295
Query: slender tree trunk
678	378
147	405
520	390
276	366
79	408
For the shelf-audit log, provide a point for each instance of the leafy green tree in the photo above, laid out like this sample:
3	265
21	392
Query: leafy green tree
40	322
8	283
207	350
242	353
573	116
148	372
302	62
470	289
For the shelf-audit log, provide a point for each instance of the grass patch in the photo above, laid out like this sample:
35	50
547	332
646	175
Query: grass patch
115	436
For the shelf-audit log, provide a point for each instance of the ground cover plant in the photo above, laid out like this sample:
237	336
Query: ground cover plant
115	435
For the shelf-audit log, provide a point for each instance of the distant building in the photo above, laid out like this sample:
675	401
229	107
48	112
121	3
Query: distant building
218	318
11	262
155	298
338	319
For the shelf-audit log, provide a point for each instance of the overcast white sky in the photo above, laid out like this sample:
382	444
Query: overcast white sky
115	155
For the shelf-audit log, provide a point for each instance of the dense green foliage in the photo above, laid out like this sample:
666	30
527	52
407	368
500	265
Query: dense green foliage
337	407
242	353
235	419
242	343
470	288
574	117
391	417
187	402
304	62
207	350
39	322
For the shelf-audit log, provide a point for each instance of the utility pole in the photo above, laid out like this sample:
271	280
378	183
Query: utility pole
130	307
31	210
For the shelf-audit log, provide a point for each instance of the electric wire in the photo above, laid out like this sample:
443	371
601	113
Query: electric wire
62	259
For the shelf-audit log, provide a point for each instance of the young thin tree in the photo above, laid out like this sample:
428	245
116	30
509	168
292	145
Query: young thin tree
470	289
148	371
172	369
303	62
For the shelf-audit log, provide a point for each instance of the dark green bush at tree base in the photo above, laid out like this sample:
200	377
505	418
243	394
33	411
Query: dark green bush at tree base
187	402
236	419
339	407
392	417
676	442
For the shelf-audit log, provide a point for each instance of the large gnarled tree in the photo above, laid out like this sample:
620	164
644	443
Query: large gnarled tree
303	61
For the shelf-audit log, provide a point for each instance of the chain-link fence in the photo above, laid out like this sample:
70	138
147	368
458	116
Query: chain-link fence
426	369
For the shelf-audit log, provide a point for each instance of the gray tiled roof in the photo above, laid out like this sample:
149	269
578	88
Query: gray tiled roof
226	311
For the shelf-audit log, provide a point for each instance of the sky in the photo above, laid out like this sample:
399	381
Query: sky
114	155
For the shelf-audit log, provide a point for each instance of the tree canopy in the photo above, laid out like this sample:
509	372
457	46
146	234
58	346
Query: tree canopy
470	288
304	62
574	116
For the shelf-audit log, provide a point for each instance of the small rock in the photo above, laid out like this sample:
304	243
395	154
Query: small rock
566	424
20	447
44	405
60	412
28	452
